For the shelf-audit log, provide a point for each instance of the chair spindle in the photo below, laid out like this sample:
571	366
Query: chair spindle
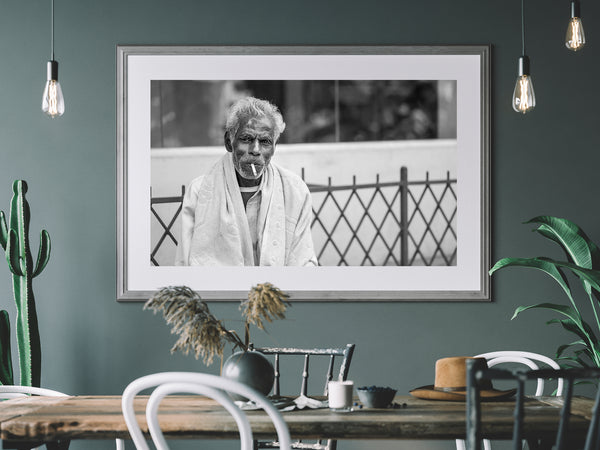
329	374
304	389
276	390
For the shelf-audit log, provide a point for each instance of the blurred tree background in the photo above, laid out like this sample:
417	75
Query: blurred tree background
192	113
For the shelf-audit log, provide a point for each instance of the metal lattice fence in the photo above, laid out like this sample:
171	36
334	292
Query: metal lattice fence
397	223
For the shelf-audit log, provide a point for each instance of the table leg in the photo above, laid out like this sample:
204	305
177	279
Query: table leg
17	445
540	444
58	445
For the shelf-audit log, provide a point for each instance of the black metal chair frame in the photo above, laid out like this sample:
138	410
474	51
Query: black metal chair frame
476	372
344	352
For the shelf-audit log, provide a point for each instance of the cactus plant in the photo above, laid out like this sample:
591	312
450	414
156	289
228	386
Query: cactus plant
15	241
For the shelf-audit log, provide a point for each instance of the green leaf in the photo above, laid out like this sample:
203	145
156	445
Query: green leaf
570	361
561	349
590	277
565	310
580	328
583	330
573	323
569	366
578	247
567	358
579	382
548	267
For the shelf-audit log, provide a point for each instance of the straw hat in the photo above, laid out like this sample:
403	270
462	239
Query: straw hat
451	382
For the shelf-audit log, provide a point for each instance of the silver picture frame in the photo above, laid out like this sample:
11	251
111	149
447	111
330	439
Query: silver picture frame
466	279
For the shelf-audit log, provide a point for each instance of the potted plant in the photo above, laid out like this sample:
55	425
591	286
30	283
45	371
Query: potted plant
203	334
582	260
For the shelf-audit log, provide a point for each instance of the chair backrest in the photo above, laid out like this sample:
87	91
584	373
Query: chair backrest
528	359
476	374
212	386
345	356
345	353
11	391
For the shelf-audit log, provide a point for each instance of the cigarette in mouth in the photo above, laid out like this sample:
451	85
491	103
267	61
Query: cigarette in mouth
253	169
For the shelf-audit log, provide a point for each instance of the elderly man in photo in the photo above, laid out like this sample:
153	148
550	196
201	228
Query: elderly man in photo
247	211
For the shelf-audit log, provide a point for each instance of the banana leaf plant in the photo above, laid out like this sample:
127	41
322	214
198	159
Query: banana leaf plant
583	261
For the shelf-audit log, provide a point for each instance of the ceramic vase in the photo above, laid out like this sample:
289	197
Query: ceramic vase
251	368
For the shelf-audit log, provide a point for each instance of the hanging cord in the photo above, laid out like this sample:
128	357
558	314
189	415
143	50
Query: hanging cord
522	28
52	30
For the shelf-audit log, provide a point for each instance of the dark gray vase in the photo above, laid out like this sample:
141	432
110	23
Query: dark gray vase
251	368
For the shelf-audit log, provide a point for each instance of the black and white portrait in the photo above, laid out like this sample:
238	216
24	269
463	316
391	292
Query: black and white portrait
361	147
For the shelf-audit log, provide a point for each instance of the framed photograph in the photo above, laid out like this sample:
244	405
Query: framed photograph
337	173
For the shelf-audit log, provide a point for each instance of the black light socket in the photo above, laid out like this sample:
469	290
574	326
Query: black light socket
524	65
575	9
52	70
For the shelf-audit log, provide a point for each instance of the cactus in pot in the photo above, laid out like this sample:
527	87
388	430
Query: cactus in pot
14	239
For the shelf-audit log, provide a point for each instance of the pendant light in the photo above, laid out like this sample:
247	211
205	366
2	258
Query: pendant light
575	39
523	99
53	102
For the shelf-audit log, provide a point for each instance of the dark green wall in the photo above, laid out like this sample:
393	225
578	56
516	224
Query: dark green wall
542	163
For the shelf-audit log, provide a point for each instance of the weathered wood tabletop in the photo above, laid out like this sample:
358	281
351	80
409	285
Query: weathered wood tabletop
44	419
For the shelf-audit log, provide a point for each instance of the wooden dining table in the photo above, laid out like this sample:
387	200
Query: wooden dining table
29	421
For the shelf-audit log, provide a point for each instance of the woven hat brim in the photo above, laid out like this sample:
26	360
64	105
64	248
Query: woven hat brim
430	393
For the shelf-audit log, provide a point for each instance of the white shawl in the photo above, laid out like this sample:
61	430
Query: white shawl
215	229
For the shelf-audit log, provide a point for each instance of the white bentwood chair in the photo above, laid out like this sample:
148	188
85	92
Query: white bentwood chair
528	359
10	391
213	386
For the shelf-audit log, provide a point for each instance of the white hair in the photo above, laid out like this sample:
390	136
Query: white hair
253	107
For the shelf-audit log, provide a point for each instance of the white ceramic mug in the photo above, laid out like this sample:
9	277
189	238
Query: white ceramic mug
340	395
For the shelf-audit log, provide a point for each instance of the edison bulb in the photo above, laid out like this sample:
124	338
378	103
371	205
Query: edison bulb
53	102
523	97
575	39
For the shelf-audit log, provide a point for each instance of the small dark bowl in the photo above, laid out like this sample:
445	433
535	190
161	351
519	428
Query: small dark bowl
376	397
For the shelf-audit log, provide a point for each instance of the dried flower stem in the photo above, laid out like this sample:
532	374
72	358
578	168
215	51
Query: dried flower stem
201	332
265	301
